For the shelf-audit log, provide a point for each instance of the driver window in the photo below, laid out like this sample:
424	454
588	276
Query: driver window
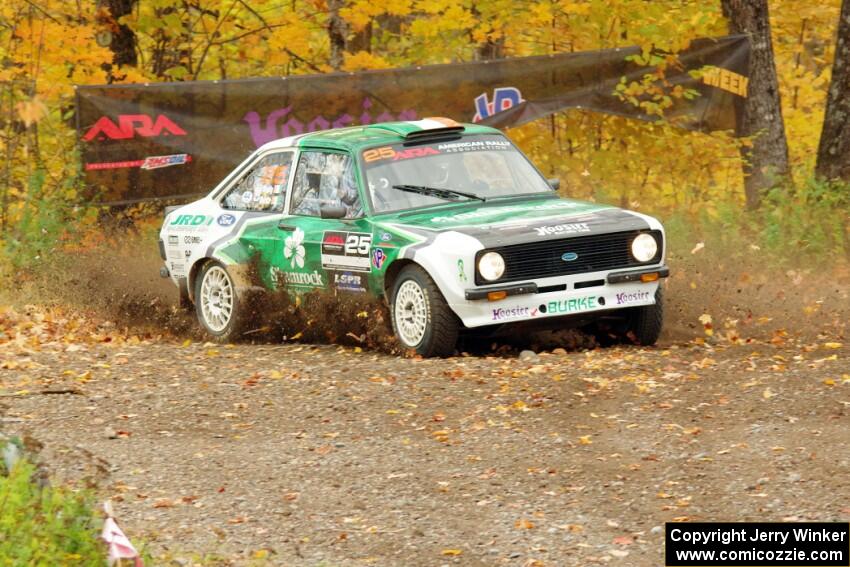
325	179
488	171
263	188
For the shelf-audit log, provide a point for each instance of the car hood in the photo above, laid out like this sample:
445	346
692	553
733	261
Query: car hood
503	224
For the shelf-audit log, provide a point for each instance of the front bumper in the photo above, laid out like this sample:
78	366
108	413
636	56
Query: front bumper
558	297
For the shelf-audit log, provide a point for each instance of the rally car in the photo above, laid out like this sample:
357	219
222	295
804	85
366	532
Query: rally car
450	223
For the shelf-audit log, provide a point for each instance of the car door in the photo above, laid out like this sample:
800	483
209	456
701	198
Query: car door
251	207
329	242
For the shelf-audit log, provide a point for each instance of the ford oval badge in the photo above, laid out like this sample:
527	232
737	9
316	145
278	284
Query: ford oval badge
569	256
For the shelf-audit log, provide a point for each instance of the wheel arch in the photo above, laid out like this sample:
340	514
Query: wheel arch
193	274
393	270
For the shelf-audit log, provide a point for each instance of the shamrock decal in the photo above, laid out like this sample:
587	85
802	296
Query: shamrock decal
293	248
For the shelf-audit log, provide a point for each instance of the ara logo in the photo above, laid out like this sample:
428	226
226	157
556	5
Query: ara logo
131	124
503	99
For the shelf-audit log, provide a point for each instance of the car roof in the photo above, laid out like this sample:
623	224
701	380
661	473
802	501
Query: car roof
355	138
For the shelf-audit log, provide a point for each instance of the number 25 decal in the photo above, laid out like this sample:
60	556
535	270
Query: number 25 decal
358	244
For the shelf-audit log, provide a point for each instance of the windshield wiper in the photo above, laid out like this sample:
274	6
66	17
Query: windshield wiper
447	194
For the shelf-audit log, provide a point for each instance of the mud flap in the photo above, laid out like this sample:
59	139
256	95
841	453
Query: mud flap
183	301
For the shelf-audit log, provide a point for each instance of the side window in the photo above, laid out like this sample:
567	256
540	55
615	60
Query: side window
325	179
263	188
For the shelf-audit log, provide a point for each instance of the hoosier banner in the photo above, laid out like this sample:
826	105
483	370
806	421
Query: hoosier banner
150	141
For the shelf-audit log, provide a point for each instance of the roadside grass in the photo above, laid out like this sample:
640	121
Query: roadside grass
46	526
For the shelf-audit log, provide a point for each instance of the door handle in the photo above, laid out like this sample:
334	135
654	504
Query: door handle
285	227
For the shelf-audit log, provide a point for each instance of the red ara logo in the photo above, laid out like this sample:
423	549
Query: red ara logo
131	124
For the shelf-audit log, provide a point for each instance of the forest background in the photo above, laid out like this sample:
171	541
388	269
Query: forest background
693	181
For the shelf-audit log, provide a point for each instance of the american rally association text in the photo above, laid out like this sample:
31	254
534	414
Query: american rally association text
726	536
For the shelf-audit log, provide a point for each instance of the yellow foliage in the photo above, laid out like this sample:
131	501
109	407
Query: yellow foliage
51	46
364	60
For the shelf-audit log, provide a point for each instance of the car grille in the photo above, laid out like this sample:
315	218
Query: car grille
542	259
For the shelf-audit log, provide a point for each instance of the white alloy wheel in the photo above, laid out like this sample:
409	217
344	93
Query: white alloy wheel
216	299
411	313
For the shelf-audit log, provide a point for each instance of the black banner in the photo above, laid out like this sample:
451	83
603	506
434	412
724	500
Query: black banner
155	140
757	544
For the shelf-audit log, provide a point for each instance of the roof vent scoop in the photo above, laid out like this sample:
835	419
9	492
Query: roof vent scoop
433	127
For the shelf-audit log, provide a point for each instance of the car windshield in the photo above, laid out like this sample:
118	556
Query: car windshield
481	167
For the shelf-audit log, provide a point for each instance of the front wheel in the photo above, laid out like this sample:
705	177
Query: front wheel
644	323
217	304
422	320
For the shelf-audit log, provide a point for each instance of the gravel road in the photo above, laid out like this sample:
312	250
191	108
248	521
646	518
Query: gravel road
322	455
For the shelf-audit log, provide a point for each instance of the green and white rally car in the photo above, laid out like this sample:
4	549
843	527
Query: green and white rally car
449	222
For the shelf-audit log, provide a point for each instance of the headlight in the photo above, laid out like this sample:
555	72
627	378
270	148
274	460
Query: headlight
644	247
491	266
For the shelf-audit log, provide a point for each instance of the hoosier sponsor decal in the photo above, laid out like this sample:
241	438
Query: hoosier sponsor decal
632	297
568	228
501	313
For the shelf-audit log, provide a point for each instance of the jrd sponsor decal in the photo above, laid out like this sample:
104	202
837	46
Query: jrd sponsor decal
191	220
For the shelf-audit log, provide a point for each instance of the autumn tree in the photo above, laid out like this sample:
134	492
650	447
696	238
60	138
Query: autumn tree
834	149
767	159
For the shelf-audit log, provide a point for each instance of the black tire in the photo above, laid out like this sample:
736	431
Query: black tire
441	325
236	323
644	323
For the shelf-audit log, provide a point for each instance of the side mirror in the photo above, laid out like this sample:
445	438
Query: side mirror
332	211
554	183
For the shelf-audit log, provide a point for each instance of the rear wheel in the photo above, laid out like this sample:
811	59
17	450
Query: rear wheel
422	320
217	305
644	323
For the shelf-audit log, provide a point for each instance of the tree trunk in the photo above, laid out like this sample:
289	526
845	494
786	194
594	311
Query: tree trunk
337	30
123	44
767	160
834	148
